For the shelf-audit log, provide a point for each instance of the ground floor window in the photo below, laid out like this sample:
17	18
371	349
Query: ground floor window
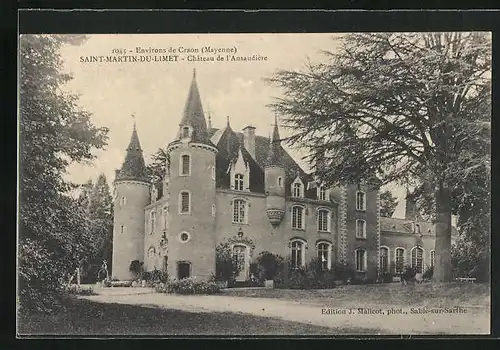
360	260
384	259
298	251
417	255
400	260
183	269
324	255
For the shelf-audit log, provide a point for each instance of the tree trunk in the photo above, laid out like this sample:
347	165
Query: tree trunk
442	264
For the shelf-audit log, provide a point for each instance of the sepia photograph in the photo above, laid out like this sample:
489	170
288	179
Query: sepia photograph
270	184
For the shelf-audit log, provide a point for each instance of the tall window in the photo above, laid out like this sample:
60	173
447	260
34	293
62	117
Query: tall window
360	260
165	217
323	220
185	202
384	259
297	254
185	131
400	260
213	210
297	217
238	182
123	201
280	181
324	255
152	222
185	165
213	173
239	208
417	228
322	193
360	201
433	258
360	229
417	254
122	229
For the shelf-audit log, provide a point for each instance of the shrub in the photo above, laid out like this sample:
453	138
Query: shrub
137	268
226	265
189	286
269	265
385	277
156	276
342	272
428	273
311	276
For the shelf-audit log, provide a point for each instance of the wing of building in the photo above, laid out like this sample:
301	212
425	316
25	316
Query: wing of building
223	185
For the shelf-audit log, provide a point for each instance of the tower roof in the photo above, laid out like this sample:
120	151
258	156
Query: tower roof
274	157
133	167
193	114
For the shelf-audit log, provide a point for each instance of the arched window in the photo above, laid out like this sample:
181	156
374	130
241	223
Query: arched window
360	255
323	220
417	257
384	259
185	131
400	260
123	201
151	252
238	182
185	202
213	173
360	229
165	217
298	219
213	210
152	221
322	193
297	190
297	253
360	201
239	211
325	255
280	181
185	165
433	258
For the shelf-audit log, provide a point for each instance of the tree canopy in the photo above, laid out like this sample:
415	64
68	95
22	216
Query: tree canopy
54	231
388	204
411	108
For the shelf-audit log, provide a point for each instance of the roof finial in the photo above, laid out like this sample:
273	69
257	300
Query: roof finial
194	73
227	121
275	118
209	120
133	118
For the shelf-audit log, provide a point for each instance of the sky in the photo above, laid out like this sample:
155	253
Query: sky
155	92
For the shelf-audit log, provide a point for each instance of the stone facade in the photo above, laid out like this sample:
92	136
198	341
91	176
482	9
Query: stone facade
224	186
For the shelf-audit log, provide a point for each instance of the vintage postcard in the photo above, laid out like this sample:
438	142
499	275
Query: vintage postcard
292	184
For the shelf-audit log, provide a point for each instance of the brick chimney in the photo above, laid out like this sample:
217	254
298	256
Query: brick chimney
249	139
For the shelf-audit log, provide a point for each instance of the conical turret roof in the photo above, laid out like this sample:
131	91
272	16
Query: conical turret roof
193	114
274	156
134	167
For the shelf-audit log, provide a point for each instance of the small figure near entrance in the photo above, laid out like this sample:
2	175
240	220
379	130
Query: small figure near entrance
102	274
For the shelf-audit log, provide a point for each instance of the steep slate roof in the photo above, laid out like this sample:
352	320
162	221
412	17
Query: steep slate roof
405	226
193	115
228	142
133	167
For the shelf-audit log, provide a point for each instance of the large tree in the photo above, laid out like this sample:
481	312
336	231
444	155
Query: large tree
388	204
54	231
406	107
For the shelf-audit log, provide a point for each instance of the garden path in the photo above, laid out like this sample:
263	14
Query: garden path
475	321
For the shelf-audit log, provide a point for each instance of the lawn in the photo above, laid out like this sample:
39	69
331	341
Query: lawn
476	295
87	318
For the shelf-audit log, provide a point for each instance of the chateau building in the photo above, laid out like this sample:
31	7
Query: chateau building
237	187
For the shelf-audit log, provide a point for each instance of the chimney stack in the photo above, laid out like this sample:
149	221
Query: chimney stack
249	139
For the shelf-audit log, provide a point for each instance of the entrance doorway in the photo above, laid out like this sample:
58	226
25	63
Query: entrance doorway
183	269
240	253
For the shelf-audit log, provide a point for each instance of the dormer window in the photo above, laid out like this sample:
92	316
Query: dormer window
297	189
322	193
238	182
185	131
